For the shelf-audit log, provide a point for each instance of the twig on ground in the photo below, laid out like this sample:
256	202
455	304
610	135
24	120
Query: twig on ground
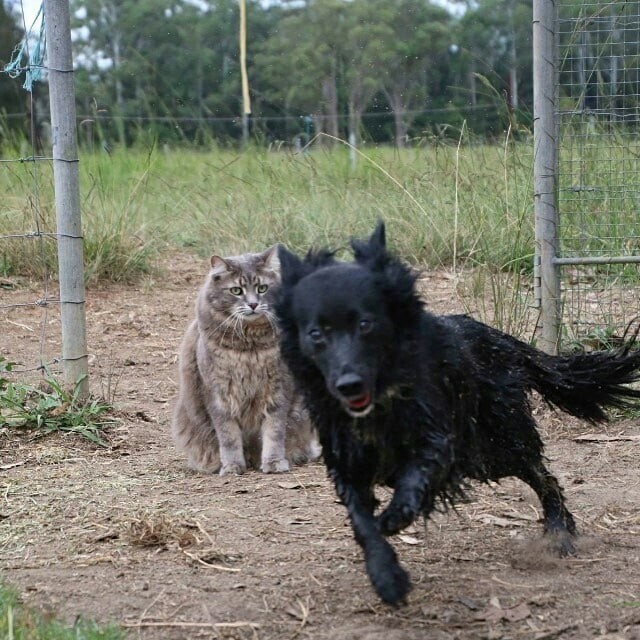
303	617
191	625
218	567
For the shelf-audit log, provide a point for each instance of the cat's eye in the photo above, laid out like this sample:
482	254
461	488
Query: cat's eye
315	335
261	288
365	325
236	291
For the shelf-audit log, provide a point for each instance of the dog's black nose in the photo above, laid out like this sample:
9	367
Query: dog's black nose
349	385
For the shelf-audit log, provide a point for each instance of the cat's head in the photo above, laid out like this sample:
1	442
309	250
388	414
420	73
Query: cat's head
240	288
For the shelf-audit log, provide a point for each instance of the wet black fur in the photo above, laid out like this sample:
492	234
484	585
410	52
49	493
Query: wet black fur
451	396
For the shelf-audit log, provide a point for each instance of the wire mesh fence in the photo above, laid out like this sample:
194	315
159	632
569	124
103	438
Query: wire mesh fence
598	126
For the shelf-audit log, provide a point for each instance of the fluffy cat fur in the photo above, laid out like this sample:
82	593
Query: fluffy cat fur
237	405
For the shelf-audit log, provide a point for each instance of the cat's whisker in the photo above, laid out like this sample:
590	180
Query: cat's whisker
239	327
271	318
228	324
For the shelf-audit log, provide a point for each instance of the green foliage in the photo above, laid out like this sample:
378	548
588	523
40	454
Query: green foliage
20	623
169	71
48	407
5	367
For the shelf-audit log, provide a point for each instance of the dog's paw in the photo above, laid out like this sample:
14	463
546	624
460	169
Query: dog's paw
275	466
394	519
390	581
233	469
562	542
392	585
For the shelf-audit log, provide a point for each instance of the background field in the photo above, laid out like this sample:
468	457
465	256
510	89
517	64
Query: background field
126	534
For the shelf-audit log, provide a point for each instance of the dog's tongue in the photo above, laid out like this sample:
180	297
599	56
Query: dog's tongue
360	402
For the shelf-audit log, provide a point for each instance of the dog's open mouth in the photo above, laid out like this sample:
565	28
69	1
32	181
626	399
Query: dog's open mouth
359	406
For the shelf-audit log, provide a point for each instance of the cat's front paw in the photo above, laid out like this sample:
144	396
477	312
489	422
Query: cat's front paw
233	469
275	466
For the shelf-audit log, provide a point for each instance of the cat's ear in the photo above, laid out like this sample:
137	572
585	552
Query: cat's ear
291	267
219	265
270	258
372	253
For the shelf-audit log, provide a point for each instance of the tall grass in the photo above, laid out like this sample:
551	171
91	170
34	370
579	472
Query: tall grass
441	202
447	204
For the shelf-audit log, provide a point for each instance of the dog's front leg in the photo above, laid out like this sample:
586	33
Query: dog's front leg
416	488
388	578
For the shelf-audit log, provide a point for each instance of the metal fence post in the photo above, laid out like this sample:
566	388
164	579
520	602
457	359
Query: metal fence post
547	282
67	195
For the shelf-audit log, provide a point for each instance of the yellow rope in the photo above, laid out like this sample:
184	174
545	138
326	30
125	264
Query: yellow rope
246	100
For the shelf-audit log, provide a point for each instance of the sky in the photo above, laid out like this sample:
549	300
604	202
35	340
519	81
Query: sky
30	9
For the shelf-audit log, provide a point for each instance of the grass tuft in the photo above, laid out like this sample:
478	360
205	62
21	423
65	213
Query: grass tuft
18	622
49	408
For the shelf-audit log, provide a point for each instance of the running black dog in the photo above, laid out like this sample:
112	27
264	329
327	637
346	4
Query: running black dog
420	402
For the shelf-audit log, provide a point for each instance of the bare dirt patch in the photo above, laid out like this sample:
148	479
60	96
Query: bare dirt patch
128	535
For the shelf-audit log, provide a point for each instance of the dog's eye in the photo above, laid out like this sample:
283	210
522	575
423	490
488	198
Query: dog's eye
261	288
315	335
236	291
365	326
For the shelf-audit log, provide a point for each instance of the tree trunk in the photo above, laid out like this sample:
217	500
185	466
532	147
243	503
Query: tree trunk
117	59
355	118
330	99
400	118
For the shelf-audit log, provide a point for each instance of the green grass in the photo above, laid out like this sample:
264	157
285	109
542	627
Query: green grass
460	205
443	204
48	408
21	623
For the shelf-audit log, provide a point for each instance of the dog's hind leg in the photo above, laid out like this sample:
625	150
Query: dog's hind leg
558	521
511	446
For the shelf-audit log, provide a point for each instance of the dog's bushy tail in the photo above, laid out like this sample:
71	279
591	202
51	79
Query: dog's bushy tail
585	384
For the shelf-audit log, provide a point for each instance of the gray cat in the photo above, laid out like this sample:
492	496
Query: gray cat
237	404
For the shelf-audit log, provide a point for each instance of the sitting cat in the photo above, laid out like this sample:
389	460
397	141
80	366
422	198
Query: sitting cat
237	404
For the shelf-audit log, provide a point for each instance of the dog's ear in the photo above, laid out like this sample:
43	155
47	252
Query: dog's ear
291	267
372	253
378	237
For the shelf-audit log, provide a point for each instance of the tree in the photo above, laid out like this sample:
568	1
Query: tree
415	52
496	37
299	65
364	47
12	96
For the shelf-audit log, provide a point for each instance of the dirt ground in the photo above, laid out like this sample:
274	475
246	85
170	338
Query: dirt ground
128	535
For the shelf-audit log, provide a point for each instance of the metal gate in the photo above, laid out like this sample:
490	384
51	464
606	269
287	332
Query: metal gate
587	169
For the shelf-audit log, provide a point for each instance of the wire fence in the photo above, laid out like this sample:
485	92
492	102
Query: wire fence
106	129
15	300
41	304
598	119
587	168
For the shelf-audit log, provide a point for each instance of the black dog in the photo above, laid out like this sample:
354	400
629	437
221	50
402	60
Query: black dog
421	403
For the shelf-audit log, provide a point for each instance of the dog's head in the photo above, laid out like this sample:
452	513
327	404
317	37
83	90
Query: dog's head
345	317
